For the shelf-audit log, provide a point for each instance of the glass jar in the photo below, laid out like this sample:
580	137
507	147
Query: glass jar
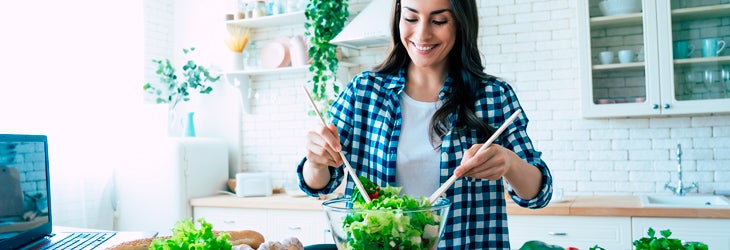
251	56
259	9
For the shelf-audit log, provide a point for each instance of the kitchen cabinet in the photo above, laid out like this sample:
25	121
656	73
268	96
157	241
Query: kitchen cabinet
655	80
309	227
713	232
582	232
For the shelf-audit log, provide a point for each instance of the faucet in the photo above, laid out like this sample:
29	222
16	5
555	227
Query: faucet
680	190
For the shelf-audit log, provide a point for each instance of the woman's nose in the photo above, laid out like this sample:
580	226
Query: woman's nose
423	31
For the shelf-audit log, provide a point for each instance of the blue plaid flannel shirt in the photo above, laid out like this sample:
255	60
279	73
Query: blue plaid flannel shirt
368	116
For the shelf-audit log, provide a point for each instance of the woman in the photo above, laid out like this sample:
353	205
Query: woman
421	113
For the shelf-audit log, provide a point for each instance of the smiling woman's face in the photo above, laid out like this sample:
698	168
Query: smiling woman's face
428	31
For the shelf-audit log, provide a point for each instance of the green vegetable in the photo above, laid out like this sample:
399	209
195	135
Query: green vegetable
539	245
596	247
185	237
665	243
390	227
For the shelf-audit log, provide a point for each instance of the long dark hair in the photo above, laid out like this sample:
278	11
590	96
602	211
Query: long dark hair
464	66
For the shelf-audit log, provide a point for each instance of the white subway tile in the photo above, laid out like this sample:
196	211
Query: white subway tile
617	176
514	8
649	133
596	186
705	132
592	145
631	144
643	176
612	155
609	134
647	154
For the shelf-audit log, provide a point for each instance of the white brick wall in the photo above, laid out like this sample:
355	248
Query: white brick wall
533	45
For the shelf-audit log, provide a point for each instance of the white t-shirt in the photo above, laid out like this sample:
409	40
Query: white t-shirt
418	162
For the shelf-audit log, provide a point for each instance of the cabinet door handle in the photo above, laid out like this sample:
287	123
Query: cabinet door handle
558	233
229	222
655	106
666	106
295	228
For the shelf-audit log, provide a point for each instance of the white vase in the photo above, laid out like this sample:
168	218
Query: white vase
236	60
174	123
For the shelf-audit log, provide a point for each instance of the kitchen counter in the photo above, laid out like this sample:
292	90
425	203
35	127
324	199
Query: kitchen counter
621	206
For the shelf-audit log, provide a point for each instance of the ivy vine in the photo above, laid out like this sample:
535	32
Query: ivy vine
325	19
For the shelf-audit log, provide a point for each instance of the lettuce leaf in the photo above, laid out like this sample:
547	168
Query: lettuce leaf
185	237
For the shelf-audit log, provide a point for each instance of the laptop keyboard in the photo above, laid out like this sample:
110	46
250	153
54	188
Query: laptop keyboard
81	241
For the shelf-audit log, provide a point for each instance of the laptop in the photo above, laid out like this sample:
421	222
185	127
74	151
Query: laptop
26	220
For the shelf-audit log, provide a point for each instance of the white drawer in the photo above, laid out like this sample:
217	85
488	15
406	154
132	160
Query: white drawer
308	226
582	232
224	219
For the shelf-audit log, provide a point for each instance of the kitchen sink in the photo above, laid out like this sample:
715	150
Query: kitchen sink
689	201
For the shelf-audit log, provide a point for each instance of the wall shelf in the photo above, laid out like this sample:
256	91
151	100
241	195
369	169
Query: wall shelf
264	71
704	12
271	21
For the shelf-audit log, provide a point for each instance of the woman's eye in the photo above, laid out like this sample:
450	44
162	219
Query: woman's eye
439	22
410	20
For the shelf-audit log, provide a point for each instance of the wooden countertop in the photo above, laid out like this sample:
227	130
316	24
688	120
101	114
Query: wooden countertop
276	201
620	206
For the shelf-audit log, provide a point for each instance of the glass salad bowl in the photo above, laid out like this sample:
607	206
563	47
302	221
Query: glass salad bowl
412	228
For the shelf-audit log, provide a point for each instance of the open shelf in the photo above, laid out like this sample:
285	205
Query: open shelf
618	20
704	12
617	66
290	18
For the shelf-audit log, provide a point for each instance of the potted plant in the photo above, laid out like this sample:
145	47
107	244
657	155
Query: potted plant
325	19
172	89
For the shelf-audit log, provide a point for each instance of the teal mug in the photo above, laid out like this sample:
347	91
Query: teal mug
683	49
712	47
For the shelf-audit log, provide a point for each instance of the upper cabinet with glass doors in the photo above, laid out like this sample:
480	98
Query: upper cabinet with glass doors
654	57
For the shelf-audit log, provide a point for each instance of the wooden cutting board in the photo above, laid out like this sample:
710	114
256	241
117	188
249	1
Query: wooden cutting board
11	197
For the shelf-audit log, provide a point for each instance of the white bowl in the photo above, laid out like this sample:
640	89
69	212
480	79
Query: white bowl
619	7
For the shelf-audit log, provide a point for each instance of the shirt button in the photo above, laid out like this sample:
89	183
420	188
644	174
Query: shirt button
444	155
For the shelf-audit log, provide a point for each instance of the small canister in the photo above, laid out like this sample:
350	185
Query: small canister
259	9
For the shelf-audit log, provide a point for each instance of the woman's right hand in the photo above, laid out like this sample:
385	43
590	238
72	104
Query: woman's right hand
323	147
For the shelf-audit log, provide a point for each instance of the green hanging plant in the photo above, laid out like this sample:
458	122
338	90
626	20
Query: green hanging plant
325	19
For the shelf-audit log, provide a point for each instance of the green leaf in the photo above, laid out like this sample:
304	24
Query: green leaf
665	233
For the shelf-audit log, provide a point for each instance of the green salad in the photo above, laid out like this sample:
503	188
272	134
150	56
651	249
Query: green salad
392	226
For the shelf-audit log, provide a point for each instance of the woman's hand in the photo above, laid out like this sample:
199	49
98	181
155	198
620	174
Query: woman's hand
323	147
496	162
492	163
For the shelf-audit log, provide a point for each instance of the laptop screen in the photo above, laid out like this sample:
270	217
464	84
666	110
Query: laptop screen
25	213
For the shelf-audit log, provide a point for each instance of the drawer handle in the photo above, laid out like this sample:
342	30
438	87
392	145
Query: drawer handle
558	233
295	228
229	222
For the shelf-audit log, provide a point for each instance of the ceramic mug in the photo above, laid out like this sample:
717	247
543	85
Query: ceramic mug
712	47
626	56
683	49
605	57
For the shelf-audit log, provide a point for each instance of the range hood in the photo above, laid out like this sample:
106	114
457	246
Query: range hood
370	28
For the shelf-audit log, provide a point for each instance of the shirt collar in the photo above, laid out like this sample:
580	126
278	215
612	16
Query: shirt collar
398	84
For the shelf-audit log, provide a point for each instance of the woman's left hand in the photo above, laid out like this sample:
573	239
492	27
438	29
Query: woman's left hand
492	163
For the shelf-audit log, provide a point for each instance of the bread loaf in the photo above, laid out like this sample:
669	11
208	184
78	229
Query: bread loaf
141	244
248	237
